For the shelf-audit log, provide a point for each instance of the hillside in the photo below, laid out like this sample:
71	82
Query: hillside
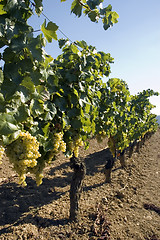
127	208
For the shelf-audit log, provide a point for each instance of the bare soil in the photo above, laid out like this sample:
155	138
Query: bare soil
127	208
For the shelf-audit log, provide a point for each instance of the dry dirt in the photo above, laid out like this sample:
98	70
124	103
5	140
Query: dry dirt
115	211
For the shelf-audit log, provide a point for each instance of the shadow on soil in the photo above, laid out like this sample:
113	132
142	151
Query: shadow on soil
17	200
96	160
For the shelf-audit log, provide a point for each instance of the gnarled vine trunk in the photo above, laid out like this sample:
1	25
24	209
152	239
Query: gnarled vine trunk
131	149
138	147
108	167
122	159
76	186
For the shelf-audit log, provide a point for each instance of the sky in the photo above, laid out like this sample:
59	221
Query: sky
133	42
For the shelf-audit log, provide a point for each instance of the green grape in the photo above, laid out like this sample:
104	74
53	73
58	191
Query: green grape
63	146
58	143
2	150
22	179
73	147
79	142
39	177
76	151
23	154
38	169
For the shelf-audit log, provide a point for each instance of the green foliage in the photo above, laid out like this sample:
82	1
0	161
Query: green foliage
124	118
94	10
63	101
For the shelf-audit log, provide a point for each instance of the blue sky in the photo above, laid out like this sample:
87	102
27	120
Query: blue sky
134	42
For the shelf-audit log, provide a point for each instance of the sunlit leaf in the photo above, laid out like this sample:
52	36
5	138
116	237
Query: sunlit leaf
49	31
1	10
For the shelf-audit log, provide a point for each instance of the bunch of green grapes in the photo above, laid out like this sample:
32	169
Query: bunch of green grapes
37	171
74	146
39	178
2	150
58	143
23	154
111	145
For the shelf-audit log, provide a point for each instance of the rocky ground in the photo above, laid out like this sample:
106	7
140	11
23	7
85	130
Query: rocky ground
127	208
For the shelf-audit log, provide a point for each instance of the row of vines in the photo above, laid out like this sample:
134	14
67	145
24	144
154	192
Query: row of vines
50	105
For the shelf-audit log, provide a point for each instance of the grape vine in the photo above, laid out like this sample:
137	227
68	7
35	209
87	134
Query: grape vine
50	105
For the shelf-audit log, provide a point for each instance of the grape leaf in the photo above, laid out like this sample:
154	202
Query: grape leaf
7	124
1	10
76	8
49	31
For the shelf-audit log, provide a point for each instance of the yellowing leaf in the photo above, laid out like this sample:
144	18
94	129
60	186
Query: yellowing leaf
1	10
49	31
